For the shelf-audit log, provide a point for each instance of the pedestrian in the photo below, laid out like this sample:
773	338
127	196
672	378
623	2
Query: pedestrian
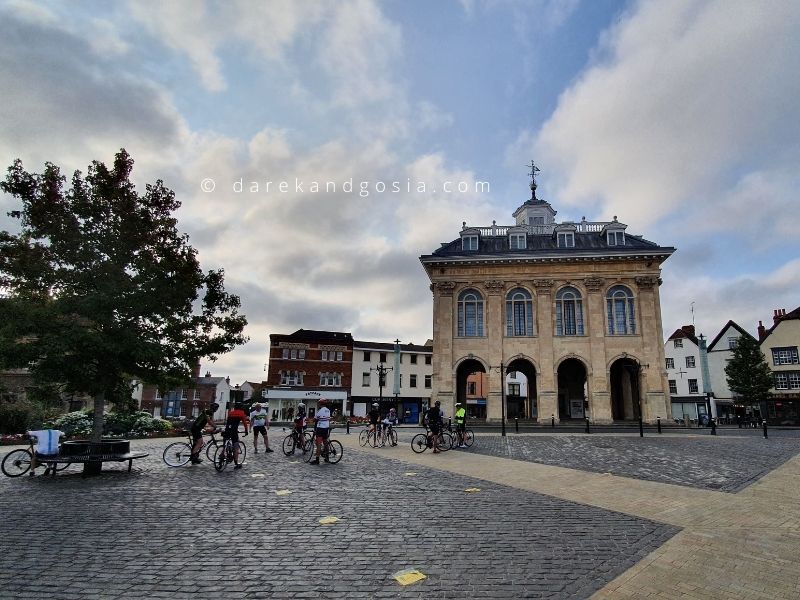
259	421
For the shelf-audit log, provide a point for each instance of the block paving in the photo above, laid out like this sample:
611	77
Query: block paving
533	531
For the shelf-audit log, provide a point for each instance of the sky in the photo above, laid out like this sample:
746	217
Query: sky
680	117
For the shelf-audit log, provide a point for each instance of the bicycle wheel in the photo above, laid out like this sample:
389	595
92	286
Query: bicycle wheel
177	454
469	438
335	451
392	437
211	449
445	441
419	443
310	454
308	442
288	444
363	437
220	460
242	452
16	463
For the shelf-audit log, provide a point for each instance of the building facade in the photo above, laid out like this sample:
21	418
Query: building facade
188	401
683	356
407	381
720	351
306	366
572	307
780	345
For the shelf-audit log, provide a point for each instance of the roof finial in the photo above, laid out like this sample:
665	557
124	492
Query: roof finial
534	170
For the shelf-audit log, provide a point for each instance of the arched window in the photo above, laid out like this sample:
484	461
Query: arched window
569	312
519	313
470	314
621	312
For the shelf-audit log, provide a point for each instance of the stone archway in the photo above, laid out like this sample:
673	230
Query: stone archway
571	390
522	405
472	388
624	376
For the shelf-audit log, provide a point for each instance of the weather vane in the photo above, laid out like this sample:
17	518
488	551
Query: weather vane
534	170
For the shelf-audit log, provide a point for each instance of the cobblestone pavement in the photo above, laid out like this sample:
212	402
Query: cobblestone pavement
191	532
725	463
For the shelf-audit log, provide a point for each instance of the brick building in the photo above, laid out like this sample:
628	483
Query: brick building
188	401
308	365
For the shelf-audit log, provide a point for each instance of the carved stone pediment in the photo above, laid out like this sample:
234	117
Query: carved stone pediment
647	281
593	284
494	286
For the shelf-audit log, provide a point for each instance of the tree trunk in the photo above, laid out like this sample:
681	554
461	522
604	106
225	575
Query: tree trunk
94	468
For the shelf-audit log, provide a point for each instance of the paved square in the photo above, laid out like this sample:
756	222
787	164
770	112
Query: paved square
724	462
191	532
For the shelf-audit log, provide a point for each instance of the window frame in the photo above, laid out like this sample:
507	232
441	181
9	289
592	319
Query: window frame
691	359
519	325
673	386
618	237
514	241
693	387
575	300
468	298
669	362
470	243
568	238
624	322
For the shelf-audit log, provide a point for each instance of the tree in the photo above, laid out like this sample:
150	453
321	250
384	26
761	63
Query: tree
748	373
100	287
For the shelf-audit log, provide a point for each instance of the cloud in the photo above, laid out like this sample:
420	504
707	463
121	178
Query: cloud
682	97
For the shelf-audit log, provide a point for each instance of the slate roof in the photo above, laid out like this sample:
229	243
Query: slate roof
312	335
358	345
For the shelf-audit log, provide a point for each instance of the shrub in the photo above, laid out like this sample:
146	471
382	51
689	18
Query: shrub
18	417
74	424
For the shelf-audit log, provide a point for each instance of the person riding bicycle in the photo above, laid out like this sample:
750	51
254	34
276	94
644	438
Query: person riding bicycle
461	424
322	428
203	422
259	420
374	418
434	421
235	418
389	421
299	426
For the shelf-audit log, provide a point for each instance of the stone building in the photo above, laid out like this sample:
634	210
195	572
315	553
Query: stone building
574	307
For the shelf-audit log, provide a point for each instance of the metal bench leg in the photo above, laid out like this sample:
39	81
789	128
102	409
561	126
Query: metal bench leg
130	465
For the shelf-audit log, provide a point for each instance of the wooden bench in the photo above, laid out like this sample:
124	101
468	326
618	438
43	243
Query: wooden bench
88	452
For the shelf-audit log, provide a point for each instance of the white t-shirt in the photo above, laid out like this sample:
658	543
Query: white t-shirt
323	418
46	440
258	417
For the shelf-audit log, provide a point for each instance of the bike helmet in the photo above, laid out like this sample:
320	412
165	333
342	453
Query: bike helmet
458	403
375	404
438	403
214	406
301	405
322	401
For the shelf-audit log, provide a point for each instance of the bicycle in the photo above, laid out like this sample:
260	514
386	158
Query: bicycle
18	462
178	454
421	441
225	454
467	439
331	451
388	434
370	437
296	439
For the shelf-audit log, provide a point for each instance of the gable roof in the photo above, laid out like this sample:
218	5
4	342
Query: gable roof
790	316
727	326
685	332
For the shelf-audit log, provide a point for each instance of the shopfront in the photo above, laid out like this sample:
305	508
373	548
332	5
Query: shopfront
408	409
283	402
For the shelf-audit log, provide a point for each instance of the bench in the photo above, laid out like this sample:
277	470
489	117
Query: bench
92	454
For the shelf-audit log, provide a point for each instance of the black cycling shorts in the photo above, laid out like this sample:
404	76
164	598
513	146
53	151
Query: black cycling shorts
231	434
322	433
436	428
259	429
197	434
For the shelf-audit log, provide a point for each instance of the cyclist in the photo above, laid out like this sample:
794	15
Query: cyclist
203	422
322	428
374	419
434	419
299	426
389	421
461	424
259	420
236	417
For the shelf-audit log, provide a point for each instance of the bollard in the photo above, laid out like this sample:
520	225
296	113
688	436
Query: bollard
553	421
587	425
516	423
641	427
658	423
348	426
713	427
765	428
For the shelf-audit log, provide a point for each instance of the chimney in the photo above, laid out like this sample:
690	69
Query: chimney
777	315
688	330
208	373
762	332
196	371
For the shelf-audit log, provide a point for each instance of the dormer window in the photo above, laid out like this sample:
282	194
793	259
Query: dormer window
469	242
566	239
616	238
517	241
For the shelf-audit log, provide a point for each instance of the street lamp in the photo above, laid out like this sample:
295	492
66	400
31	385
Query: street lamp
502	369
381	370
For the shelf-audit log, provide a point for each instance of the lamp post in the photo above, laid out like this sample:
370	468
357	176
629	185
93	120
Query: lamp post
381	370
502	369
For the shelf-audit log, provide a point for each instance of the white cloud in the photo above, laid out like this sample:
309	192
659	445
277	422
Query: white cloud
682	93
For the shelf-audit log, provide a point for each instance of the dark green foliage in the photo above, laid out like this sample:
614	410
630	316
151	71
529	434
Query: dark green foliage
748	373
102	288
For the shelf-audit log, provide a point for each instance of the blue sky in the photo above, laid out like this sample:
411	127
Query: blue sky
680	117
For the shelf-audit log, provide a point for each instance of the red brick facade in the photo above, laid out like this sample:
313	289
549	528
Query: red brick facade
300	360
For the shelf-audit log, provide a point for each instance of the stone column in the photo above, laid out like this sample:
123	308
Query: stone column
547	383
597	379
655	395
443	372
495	337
